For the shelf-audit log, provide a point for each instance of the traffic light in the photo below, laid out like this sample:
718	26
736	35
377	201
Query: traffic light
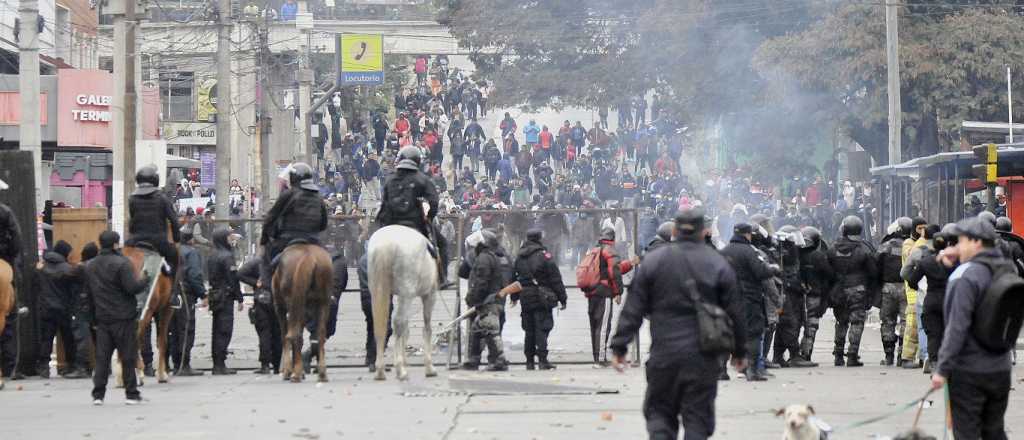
988	156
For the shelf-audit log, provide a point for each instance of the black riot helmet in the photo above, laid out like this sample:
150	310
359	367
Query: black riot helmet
988	217
906	226
1004	224
812	236
147	180
409	158
852	225
946	237
301	176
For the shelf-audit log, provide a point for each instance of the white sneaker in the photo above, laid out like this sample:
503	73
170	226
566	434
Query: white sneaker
131	402
97	402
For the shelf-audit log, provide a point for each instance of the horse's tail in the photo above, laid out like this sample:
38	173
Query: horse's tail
6	289
380	268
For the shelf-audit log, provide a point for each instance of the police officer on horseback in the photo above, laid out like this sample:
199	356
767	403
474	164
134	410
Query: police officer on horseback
404	194
299	214
150	214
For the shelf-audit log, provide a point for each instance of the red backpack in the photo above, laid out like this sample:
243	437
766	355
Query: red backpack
588	273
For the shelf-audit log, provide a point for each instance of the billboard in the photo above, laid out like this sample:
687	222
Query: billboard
362	59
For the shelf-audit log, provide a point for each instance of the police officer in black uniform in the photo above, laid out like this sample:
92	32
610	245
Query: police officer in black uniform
854	262
894	298
751	269
183	322
263	317
224	290
793	308
1011	249
817	277
299	214
485	282
402	198
542	290
682	380
150	214
10	251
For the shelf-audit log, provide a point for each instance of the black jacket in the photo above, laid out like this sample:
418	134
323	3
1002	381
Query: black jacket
960	350
298	213
854	262
340	268
658	293
220	267
112	286
192	272
750	270
937	275
534	267
400	200
485	278
890	259
150	216
816	273
10	234
59	282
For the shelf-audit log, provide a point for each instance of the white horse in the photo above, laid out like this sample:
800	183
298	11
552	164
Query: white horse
399	263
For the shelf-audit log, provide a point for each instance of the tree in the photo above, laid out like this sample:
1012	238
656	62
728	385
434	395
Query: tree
950	71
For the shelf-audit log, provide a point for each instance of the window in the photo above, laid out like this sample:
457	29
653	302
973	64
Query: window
176	96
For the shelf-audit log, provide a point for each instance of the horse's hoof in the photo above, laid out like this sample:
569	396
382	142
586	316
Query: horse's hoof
296	379
403	376
380	375
322	378
431	373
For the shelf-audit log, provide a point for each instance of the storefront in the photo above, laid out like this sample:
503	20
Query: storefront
196	141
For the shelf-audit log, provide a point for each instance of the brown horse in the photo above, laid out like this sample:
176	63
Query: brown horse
6	298
302	282
159	307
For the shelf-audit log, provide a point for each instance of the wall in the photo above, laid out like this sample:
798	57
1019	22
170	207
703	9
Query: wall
47	85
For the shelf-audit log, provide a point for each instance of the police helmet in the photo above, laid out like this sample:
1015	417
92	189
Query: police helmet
812	236
946	237
301	176
988	217
147	180
490	239
905	225
665	230
607	233
409	158
1004	224
852	225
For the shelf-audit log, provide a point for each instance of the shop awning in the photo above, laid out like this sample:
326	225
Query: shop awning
181	162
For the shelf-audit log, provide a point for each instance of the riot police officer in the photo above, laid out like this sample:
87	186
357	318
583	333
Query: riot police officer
854	262
224	290
894	299
150	214
264	318
817	277
485	282
298	214
402	198
542	290
793	308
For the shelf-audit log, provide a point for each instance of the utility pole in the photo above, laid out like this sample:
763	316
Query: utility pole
223	108
125	101
892	51
29	130
1009	99
263	162
304	21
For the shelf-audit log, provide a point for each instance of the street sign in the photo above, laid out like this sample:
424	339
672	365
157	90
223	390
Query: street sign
362	59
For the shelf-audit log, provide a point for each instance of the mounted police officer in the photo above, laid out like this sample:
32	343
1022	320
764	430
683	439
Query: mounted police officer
298	214
150	214
854	262
403	198
894	299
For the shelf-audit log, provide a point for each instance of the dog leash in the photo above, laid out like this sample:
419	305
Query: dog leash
870	420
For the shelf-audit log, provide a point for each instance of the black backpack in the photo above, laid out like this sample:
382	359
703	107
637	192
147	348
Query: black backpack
999	312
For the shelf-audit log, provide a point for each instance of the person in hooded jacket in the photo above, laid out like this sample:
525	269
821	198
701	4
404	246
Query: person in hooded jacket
224	290
542	290
183	322
914	344
60	282
608	289
855	265
263	316
111	286
751	270
937	275
818	278
894	299
150	215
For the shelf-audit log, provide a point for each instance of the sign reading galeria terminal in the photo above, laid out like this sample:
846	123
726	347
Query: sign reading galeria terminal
362	59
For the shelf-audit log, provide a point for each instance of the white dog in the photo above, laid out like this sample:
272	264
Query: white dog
801	424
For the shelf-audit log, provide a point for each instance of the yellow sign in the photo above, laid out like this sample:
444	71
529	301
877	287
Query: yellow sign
206	101
362	59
